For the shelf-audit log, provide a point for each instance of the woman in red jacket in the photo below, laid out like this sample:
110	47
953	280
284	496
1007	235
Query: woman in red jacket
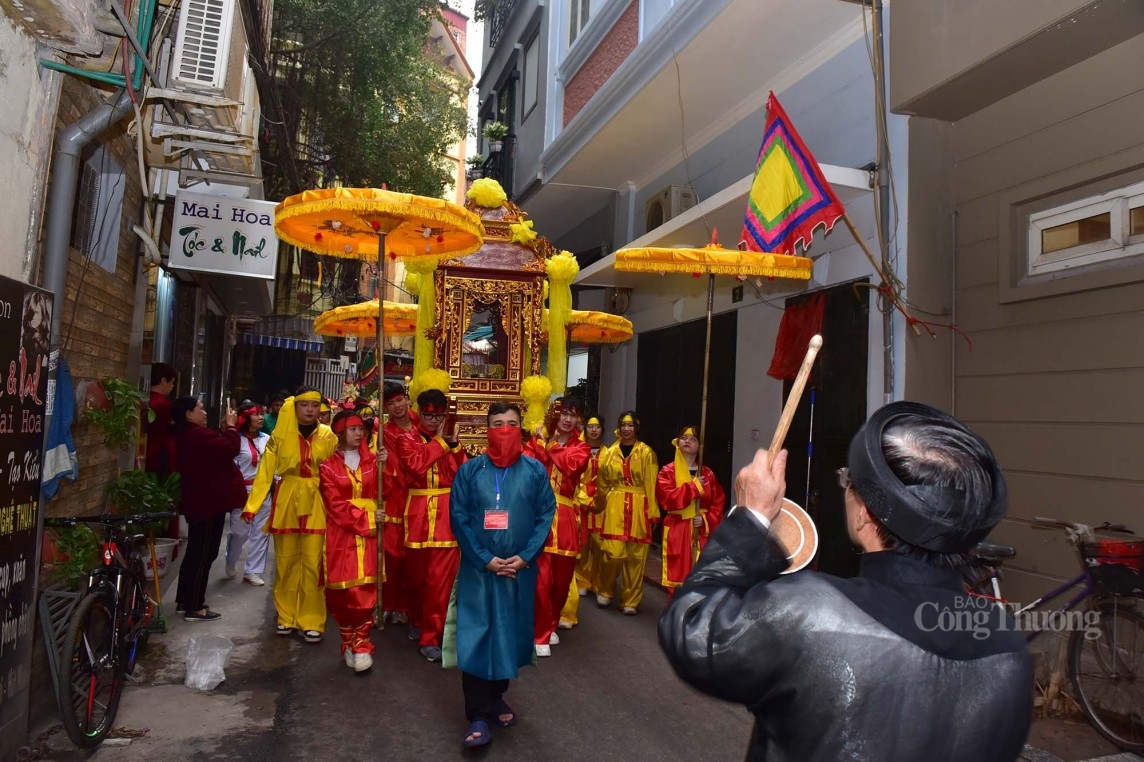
348	484
692	502
211	484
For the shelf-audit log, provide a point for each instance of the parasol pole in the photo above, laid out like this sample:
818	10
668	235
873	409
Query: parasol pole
706	369
379	359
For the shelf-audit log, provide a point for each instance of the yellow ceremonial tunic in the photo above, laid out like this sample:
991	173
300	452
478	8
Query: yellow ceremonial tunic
298	523
628	487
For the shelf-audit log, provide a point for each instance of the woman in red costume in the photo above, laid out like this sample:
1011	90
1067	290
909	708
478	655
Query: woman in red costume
349	488
693	504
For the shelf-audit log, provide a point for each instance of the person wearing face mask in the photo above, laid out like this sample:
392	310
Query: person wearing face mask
349	487
501	512
396	591
297	521
252	445
591	522
565	457
626	493
693	504
431	556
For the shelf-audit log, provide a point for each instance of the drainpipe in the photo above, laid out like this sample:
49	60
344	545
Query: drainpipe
65	173
889	392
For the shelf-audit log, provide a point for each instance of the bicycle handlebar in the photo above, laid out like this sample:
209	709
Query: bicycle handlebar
108	519
1104	526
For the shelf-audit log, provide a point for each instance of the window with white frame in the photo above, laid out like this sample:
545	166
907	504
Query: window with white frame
652	12
579	11
1092	230
531	76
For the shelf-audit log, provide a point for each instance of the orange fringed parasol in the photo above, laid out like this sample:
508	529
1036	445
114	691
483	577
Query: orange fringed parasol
350	222
590	327
369	223
361	320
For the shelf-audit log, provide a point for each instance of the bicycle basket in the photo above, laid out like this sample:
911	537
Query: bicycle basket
1115	565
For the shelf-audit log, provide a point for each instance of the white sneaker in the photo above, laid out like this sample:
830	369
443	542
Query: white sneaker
542	650
253	579
564	624
351	658
628	611
554	639
362	662
231	571
603	601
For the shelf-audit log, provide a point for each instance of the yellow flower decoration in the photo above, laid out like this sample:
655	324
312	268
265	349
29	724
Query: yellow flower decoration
487	192
522	232
433	378
535	390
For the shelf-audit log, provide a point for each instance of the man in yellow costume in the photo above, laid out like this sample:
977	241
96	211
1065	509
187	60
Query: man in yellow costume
626	491
297	447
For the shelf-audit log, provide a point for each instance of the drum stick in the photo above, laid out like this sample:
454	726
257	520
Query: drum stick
793	399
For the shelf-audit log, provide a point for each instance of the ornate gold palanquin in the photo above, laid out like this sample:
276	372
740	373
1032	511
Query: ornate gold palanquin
498	294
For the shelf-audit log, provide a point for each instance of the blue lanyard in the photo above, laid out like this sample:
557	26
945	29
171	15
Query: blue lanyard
499	477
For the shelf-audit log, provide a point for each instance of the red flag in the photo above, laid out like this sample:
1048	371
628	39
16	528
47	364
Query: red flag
789	197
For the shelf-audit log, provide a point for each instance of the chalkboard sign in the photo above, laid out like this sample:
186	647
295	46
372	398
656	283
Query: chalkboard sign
25	335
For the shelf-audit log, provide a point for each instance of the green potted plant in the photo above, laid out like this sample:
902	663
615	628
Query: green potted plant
476	166
114	406
137	492
76	554
495	133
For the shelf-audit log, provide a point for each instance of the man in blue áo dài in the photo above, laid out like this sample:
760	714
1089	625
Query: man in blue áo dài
501	511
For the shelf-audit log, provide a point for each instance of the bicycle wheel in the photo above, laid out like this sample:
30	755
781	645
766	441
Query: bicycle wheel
91	679
1107	672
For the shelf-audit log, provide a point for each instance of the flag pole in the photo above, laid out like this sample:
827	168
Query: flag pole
878	269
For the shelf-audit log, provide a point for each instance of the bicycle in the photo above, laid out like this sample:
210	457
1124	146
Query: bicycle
105	631
1106	643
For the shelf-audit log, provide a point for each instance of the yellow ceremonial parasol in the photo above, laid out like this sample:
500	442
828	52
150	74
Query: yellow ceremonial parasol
370	223
712	260
590	327
361	319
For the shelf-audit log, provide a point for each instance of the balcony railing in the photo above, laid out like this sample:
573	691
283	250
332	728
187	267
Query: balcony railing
499	164
498	21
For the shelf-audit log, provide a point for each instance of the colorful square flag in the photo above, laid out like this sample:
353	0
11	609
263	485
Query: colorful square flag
789	197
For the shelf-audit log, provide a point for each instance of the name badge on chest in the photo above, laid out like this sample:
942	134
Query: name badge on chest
496	519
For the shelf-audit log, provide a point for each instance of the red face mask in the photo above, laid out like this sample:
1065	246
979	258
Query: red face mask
505	445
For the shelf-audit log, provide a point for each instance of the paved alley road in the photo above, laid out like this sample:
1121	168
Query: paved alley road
606	694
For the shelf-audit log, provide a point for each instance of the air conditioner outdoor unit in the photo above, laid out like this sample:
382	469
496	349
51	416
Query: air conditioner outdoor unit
202	45
668	203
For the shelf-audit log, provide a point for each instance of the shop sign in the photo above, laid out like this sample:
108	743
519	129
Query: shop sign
219	234
25	333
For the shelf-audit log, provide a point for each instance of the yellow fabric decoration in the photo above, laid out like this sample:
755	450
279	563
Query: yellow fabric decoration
522	232
360	319
412	282
487	192
535	390
430	378
426	307
562	269
590	327
593	421
324	407
307	397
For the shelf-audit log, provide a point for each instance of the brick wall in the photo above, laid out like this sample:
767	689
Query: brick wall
612	51
97	321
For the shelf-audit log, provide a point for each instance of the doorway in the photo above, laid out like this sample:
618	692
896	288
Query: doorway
669	389
836	391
